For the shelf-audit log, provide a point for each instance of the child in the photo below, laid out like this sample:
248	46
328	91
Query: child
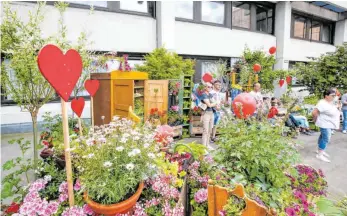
273	112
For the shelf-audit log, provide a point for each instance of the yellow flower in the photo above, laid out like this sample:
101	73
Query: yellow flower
182	174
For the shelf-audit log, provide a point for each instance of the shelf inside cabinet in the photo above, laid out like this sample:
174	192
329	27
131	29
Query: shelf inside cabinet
139	87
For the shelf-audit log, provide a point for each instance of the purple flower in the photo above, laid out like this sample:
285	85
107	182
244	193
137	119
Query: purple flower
77	186
222	213
75	210
87	210
290	212
201	195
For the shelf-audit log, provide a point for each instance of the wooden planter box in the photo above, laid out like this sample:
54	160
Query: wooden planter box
178	130
218	197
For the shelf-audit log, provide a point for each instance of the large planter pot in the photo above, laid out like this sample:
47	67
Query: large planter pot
118	208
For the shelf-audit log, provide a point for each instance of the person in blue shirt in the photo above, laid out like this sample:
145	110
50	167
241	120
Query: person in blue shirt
207	104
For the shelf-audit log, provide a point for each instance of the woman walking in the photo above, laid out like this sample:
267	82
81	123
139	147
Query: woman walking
207	116
327	118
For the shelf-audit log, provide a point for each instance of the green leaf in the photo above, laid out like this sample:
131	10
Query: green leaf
8	165
6	190
326	206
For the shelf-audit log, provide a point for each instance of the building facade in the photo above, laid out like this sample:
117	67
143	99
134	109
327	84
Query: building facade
206	31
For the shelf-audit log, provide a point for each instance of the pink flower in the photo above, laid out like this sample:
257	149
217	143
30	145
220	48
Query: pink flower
175	108
201	195
63	187
222	213
75	211
87	210
63	197
77	186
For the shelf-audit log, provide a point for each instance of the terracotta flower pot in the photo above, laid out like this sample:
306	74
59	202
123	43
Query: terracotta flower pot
118	208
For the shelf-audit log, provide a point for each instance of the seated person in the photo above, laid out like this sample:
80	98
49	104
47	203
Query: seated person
303	124
273	112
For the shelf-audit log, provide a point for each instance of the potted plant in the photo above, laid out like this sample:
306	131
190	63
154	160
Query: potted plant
113	163
156	117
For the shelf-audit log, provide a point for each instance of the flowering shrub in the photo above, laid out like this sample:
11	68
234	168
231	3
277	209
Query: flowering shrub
156	115
302	206
124	65
34	204
114	159
309	181
174	87
196	111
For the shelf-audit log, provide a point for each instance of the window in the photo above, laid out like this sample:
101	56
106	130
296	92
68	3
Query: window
94	3
315	31
213	12
138	6
264	18
241	15
312	29
184	9
300	27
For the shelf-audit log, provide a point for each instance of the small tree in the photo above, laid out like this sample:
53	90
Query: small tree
267	75
162	64
21	43
329	70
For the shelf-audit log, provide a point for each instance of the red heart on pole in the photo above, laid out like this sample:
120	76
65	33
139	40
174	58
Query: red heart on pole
92	86
289	79
272	50
61	71
77	105
281	82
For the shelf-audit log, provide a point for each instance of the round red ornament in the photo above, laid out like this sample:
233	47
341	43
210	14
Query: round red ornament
256	67
207	77
272	50
245	103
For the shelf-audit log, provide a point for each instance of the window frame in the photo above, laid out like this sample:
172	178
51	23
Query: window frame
309	20
253	27
197	16
113	7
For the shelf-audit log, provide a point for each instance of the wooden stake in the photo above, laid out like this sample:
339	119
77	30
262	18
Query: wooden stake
67	153
92	108
80	129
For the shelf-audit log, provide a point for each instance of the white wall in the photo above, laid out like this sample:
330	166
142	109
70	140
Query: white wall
299	50
14	115
197	39
107	30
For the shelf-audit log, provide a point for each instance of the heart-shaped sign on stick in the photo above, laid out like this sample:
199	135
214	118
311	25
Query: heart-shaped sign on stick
77	105
281	82
61	71
92	86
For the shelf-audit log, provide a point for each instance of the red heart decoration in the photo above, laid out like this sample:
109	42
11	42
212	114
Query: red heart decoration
272	50
207	77
289	79
281	82
91	86
61	71
77	105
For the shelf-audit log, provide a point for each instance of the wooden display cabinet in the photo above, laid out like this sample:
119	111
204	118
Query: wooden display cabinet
121	90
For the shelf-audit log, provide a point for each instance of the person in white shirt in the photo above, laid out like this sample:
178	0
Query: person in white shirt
216	94
327	118
256	93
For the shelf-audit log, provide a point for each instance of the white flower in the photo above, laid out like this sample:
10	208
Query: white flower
120	148
130	166
151	155
123	140
90	155
146	145
48	178
134	152
115	118
136	138
90	141
107	164
102	139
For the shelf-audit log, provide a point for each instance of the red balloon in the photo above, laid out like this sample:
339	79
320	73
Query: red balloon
281	82
289	80
272	50
61	70
246	103
207	77
256	67
77	105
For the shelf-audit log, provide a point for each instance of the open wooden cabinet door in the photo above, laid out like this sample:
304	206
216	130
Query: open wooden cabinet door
123	97
156	96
